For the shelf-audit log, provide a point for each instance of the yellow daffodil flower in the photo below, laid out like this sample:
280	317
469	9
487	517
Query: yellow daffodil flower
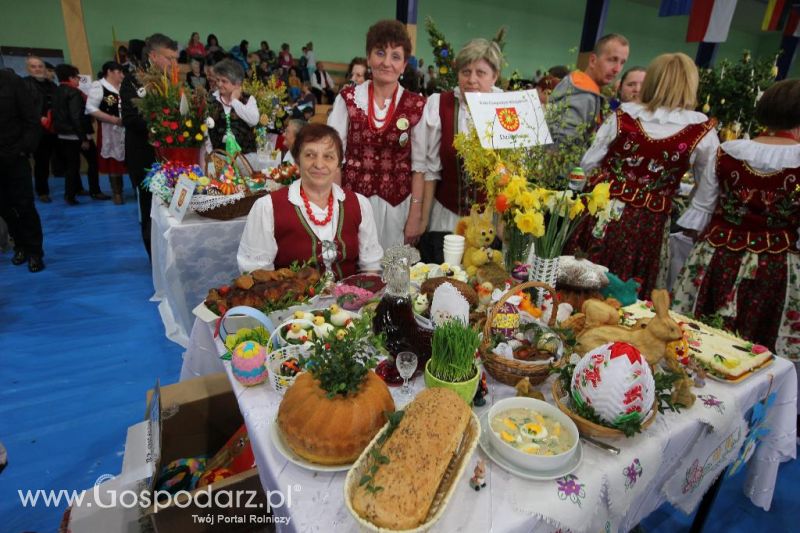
576	209
199	137
203	127
188	123
599	197
531	222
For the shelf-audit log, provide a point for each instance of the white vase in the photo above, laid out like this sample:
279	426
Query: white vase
545	271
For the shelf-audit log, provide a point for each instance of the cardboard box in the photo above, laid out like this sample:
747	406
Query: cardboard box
197	417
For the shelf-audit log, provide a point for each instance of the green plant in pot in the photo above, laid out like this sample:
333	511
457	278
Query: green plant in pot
453	364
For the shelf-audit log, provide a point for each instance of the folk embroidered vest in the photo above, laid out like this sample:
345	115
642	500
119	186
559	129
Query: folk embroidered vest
756	211
110	102
297	242
455	191
243	132
379	162
646	172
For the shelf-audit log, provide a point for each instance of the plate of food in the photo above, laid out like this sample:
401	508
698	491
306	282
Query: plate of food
530	439
305	326
405	478
267	290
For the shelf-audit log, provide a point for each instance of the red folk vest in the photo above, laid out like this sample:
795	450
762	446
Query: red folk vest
646	172
297	242
455	191
756	211
379	163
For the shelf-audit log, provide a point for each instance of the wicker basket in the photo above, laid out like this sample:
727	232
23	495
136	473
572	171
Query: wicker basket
585	427
279	355
444	492
511	371
238	208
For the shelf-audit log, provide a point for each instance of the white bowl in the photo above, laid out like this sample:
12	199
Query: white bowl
525	460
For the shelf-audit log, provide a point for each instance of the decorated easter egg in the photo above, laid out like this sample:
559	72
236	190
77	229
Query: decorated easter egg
506	321
616	381
248	362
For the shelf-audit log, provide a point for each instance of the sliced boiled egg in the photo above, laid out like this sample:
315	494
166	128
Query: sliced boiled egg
532	449
507	437
510	424
534	431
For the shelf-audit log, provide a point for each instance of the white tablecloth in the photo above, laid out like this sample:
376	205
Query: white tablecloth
509	503
189	258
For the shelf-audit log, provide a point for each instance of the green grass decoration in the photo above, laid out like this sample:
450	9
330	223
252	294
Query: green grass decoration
453	352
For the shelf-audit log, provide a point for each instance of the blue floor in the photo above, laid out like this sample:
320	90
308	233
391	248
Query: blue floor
80	344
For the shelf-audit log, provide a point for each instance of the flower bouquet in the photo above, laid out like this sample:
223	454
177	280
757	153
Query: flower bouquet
174	113
535	218
162	178
271	98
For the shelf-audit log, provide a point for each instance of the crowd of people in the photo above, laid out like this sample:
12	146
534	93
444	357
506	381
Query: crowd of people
384	170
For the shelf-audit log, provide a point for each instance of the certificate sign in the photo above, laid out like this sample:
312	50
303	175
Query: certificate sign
509	120
184	190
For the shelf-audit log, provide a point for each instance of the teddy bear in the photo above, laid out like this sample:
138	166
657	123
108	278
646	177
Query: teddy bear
478	231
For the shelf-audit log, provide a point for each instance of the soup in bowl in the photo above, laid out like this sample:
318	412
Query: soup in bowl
532	434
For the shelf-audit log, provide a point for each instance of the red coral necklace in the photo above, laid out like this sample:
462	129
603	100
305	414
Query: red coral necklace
371	110
310	213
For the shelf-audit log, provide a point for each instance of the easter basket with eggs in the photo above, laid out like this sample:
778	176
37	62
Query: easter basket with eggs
510	370
231	193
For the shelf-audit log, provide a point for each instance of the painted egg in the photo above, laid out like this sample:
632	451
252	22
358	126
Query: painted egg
616	381
248	363
506	321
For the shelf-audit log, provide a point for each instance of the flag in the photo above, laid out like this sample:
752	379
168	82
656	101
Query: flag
792	28
772	15
673	8
710	20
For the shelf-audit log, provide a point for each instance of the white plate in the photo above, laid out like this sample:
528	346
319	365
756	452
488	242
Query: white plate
535	475
292	457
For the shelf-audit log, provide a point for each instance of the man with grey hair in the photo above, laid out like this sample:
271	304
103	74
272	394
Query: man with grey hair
42	89
292	129
162	52
580	91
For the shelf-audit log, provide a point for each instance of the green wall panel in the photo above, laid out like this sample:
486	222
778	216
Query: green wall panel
540	33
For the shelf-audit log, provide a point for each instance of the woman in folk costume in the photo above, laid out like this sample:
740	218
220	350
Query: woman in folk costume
642	151
449	194
103	103
234	112
381	127
313	220
745	265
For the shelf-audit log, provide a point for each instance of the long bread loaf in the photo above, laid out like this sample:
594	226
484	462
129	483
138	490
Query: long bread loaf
419	452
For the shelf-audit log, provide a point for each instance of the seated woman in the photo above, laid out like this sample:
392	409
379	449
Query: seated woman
313	220
642	151
746	266
234	112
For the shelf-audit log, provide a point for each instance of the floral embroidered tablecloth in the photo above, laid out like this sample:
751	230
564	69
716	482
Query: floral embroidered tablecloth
675	460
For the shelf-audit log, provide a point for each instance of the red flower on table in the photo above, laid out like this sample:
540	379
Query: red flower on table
169	139
166	110
173	126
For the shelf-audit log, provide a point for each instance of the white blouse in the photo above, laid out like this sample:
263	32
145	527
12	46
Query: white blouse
247	112
433	130
657	124
762	157
95	97
339	120
258	247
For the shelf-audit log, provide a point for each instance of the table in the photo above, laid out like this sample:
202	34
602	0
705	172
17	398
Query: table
189	258
512	504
